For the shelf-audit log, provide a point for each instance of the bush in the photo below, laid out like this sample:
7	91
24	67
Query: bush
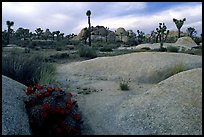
162	49
106	48
27	70
88	52
58	49
177	68
172	49
124	86
60	56
51	111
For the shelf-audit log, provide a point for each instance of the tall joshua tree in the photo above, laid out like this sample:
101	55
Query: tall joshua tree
179	24
39	32
162	33
88	13
9	24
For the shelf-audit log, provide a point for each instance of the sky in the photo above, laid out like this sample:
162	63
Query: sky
70	17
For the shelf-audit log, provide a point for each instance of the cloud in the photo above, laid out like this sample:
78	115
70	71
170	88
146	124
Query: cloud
149	22
70	17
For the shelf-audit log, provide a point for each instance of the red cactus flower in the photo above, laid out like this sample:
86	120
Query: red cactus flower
43	114
45	107
29	90
47	94
76	116
37	95
68	106
58	89
68	101
49	89
38	87
69	94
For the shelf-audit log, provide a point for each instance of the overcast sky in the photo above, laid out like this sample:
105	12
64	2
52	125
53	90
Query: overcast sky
70	17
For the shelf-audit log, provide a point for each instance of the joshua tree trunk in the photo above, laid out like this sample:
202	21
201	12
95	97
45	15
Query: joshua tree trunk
89	31
179	31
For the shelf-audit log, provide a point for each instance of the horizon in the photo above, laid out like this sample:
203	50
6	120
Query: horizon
70	17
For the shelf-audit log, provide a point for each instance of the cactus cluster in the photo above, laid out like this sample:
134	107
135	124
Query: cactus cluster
162	33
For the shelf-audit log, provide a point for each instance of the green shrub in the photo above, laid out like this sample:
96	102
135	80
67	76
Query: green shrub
172	49
60	56
58	49
177	68
28	70
162	49
124	86
106	48
88	52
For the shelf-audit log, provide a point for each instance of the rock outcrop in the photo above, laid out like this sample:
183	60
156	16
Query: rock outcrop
172	107
185	41
14	116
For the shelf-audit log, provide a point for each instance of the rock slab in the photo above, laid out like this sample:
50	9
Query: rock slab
14	117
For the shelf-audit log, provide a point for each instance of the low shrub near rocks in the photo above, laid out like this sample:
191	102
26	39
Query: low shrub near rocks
88	52
52	112
172	49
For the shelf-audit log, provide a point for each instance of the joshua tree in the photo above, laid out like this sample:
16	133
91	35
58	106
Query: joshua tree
191	32
179	24
106	33
140	36
47	34
88	13
39	32
162	33
57	33
62	35
9	24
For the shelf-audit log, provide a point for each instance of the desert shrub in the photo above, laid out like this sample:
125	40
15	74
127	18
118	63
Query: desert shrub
88	52
124	84
51	111
28	70
58	49
193	51
106	48
27	50
146	48
172	49
162	49
60	56
177	68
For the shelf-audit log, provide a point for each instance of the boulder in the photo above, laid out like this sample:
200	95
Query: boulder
186	41
143	67
172	107
14	117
